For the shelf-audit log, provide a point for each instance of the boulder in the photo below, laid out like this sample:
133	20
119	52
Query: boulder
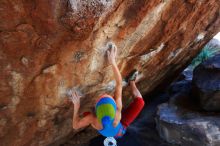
50	46
182	122
206	84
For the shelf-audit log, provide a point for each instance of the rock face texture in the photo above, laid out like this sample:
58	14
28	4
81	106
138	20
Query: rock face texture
181	122
207	84
49	46
185	121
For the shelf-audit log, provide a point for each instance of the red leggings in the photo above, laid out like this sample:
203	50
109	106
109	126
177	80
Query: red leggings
132	111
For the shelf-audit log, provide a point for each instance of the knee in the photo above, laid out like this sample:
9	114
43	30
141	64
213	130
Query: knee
140	101
138	95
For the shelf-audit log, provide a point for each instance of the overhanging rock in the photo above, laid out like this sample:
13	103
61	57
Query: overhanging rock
48	46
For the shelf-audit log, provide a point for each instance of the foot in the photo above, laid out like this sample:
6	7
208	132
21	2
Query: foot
132	76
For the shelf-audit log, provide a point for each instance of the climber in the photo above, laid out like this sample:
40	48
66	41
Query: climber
123	118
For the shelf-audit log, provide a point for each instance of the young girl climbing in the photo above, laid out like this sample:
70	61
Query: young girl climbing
121	119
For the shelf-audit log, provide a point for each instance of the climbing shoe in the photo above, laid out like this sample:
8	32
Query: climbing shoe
132	76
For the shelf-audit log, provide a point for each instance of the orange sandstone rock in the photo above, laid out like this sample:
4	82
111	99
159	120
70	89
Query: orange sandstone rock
49	46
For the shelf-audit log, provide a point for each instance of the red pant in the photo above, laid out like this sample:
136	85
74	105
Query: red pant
132	111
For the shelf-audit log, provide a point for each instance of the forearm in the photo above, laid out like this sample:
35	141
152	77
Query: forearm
81	122
118	88
117	75
119	104
76	116
117	118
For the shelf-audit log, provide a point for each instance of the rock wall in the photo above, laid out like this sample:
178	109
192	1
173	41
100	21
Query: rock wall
191	116
49	46
206	84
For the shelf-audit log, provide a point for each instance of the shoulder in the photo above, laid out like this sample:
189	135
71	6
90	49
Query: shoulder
95	123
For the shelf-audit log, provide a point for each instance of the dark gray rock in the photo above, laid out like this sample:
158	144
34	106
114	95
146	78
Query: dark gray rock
215	44
206	84
182	122
180	86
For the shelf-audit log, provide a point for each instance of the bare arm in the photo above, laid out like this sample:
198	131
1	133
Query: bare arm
118	89
77	121
80	123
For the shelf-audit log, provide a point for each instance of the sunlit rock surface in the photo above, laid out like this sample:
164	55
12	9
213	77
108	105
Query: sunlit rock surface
49	46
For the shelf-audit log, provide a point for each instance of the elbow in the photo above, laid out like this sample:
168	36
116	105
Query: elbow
75	127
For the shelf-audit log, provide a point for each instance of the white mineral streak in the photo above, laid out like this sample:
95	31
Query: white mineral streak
51	69
174	54
74	4
17	85
94	64
61	89
145	26
79	6
200	37
110	86
144	58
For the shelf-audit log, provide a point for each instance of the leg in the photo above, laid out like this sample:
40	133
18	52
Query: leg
134	90
133	110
